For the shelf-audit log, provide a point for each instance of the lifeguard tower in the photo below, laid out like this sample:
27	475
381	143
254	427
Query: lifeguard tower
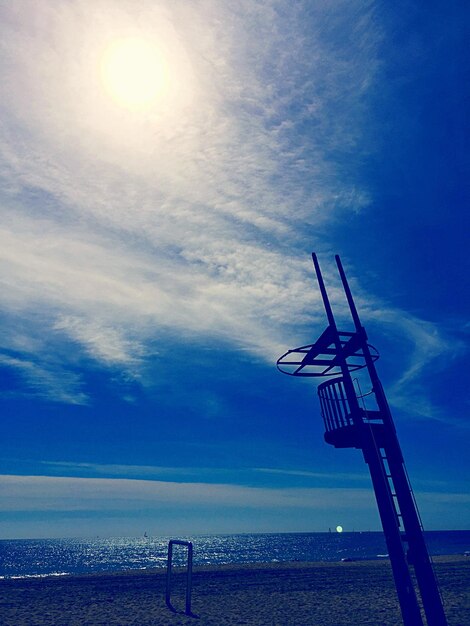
349	424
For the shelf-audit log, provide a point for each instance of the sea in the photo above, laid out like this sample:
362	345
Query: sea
25	558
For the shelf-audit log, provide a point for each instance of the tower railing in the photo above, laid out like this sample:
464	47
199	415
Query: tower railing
334	405
335	408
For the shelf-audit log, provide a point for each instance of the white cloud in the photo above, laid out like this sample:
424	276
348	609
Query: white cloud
427	343
421	345
194	474
96	289
104	497
104	343
193	216
45	493
47	380
309	474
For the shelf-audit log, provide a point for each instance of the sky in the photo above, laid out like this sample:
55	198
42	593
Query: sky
166	169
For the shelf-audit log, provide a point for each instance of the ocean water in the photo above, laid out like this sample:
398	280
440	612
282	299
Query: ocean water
56	557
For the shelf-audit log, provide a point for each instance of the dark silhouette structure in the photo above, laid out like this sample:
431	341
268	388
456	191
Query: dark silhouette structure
349	424
189	574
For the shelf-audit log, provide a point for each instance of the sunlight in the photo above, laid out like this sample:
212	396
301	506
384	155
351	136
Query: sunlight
134	72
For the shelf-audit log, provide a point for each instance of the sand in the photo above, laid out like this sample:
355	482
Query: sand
281	594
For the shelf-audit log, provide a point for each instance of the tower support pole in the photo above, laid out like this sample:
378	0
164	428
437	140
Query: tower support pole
388	515
350	425
418	553
387	511
347	380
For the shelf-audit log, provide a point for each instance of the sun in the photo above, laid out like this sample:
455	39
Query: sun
339	529
134	72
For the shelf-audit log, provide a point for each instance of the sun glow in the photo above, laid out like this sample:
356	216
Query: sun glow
134	72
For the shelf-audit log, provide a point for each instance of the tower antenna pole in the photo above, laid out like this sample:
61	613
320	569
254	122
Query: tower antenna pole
340	355
324	295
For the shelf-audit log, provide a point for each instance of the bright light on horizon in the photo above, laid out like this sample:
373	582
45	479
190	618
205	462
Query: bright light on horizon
339	529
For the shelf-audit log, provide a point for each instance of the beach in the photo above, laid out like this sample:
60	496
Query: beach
284	594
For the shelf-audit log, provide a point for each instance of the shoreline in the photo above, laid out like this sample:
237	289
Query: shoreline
284	594
297	564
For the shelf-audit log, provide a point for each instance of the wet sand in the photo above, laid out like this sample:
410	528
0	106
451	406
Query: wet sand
281	594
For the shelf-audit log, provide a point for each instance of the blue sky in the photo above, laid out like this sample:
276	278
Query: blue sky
156	260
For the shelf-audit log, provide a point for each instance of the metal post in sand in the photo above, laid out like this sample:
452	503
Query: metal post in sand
189	572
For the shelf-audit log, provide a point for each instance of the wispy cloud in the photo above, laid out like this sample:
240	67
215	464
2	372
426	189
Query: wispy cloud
194	217
234	475
228	475
47	380
100	496
317	475
422	346
21	493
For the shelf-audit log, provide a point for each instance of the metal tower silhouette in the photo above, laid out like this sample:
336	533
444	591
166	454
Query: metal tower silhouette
348	424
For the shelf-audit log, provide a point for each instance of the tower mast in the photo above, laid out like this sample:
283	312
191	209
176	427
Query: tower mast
350	425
